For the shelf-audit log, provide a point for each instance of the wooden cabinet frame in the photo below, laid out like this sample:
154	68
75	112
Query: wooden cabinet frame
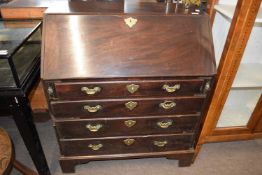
251	131
210	9
239	32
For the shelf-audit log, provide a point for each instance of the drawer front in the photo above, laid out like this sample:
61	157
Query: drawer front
122	145
128	126
130	107
121	89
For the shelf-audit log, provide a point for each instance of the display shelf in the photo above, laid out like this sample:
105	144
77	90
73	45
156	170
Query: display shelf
250	69
248	76
239	107
234	116
228	11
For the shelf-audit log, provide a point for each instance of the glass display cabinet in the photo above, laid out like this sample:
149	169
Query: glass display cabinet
235	112
240	113
20	52
20	48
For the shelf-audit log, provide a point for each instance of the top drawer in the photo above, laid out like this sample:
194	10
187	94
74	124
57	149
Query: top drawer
125	89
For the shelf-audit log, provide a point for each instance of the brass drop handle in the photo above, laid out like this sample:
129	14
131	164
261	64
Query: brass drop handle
92	109
95	147
167	105
160	143
129	142
91	91
164	124
94	128
132	88
171	89
130	123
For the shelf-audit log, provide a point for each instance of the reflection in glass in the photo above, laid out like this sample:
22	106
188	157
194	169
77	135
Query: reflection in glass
239	107
25	58
20	47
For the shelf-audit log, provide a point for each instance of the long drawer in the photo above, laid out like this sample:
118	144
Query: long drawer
121	145
126	126
127	89
127	107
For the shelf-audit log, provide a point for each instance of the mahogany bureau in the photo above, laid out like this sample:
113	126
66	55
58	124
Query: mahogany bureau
127	84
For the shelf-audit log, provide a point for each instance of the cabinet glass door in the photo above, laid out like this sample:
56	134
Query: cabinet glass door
247	86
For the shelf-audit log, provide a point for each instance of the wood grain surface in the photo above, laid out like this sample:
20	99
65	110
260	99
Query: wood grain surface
118	89
6	153
117	107
116	145
84	50
117	127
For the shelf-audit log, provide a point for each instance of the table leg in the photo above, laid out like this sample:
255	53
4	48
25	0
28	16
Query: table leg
22	114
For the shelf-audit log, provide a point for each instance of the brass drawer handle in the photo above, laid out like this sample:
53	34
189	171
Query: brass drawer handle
160	143
92	109
129	142
132	88
95	147
171	89
91	91
130	123
167	105
164	124
131	105
94	128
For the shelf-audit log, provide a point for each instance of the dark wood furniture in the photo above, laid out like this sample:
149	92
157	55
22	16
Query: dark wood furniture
20	46
7	160
31	9
34	9
27	9
129	84
6	153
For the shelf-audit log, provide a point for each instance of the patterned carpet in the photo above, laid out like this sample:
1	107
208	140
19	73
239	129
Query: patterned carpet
231	158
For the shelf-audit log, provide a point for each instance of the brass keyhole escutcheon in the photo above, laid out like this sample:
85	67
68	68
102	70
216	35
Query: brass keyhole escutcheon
95	147
132	88
131	105
130	22
129	142
130	123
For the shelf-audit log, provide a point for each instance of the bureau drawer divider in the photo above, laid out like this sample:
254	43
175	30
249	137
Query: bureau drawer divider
197	114
133	136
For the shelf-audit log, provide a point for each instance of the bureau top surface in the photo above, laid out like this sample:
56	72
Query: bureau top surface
104	46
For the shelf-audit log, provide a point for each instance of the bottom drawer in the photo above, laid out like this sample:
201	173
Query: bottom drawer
121	145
